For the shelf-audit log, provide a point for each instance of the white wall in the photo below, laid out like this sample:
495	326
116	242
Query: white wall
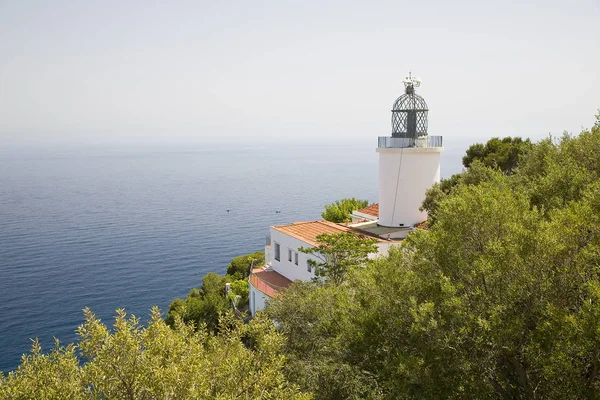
289	269
405	174
257	299
384	248
300	271
268	255
284	266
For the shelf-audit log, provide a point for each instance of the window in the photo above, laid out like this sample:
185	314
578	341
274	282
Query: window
295	258
277	252
290	255
308	267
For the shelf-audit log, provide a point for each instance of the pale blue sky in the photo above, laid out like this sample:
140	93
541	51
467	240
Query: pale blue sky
122	72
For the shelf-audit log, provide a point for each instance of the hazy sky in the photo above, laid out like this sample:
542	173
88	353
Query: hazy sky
104	72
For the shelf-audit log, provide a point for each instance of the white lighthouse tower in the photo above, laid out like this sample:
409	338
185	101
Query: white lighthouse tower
409	162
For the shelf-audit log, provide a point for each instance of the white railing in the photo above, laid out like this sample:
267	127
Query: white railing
399	143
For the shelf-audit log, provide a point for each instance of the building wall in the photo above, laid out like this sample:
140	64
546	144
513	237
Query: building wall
300	271
383	248
257	299
359	217
268	254
288	268
285	267
405	174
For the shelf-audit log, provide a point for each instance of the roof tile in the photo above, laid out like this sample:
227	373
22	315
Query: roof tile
308	231
373	210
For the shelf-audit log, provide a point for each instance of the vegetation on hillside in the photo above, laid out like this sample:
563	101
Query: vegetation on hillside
156	362
206	304
239	267
503	154
340	210
480	160
337	254
498	299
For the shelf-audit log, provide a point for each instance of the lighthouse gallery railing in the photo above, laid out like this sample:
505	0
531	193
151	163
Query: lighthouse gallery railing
399	143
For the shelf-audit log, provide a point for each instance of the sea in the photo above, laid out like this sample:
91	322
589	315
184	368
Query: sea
110	227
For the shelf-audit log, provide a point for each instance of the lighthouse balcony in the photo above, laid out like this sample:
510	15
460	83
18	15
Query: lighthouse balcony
387	142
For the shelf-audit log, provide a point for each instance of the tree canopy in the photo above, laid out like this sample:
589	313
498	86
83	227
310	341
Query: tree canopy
480	162
202	306
156	362
239	267
338	253
340	210
500	298
206	304
503	154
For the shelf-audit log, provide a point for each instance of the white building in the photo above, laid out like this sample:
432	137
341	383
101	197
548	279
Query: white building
409	164
284	263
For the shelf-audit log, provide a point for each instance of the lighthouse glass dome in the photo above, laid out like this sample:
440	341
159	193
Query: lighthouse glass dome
409	114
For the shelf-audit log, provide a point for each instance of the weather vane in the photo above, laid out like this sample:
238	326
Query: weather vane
411	81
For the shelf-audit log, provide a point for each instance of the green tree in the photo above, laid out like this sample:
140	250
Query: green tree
239	267
558	172
503	154
498	292
498	299
156	362
338	253
500	305
56	375
340	210
315	319
206	304
202	306
239	293
497	154
476	174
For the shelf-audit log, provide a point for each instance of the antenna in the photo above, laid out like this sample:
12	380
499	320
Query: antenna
411	80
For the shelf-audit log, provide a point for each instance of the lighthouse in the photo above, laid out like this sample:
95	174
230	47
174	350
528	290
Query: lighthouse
409	162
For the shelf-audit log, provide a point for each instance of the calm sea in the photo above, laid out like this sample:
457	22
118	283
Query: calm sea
136	227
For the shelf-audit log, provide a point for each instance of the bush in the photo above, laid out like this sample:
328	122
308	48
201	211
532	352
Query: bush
340	210
239	267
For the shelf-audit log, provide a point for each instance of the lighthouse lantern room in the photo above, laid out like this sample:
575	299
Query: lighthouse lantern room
409	161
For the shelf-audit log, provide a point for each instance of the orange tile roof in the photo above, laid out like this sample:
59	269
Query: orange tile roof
373	210
267	281
308	231
422	225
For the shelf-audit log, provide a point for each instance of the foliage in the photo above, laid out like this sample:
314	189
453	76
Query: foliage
240	291
338	253
498	299
156	362
55	375
480	160
202	306
503	154
476	174
239	267
340	210
314	320
557	173
206	304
